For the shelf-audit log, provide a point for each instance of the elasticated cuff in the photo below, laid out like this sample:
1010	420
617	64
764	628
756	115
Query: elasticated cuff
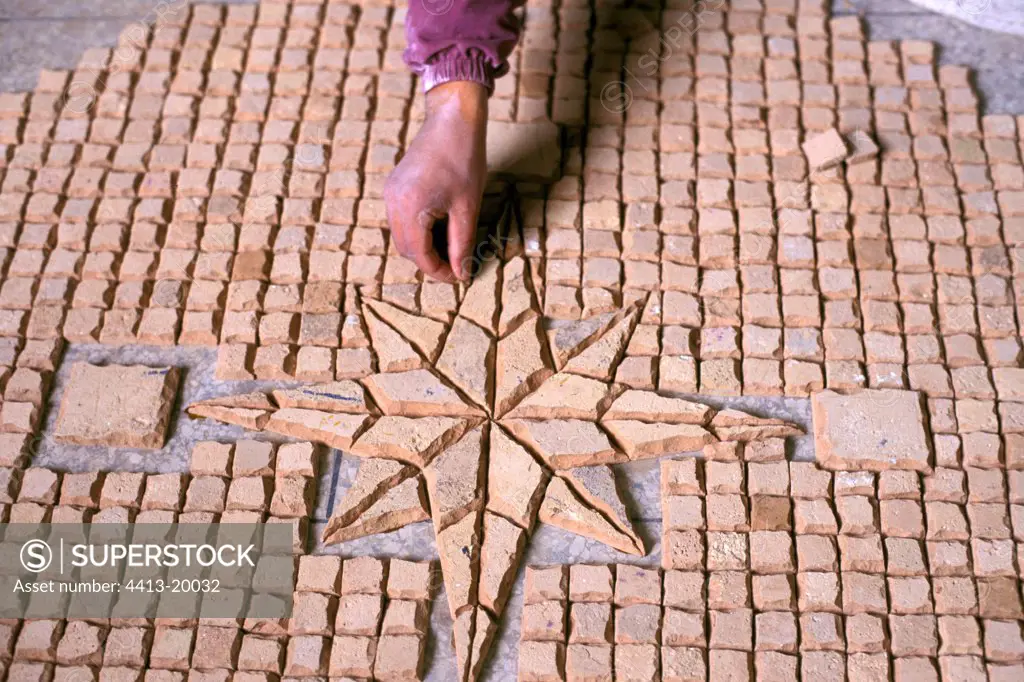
452	66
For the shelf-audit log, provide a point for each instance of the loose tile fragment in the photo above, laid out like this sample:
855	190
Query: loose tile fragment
565	396
424	333
500	554
565	443
600	359
467	361
455	479
480	303
521	365
648	406
596	485
248	410
334	396
641	440
459	548
515	480
412	440
873	430
417	393
562	508
734	425
373	479
336	430
825	150
117	406
395	508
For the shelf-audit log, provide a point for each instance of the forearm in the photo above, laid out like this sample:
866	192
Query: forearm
461	40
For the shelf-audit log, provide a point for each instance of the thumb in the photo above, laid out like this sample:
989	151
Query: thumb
462	220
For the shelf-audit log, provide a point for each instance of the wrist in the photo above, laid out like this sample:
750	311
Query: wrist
462	101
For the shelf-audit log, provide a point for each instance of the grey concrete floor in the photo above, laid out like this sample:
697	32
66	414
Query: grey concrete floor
53	34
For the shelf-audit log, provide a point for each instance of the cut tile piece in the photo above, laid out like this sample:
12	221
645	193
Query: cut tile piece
417	393
423	333
480	303
569	340
472	634
862	147
825	150
562	508
394	354
500	555
335	396
565	396
459	548
330	428
117	405
641	440
521	365
455	480
408	439
374	478
462	640
565	443
596	486
738	425
467	361
871	430
248	410
524	150
399	506
648	406
517	300
515	480
484	631
601	358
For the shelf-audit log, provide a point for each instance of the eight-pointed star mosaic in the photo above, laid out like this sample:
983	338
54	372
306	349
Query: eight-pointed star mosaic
503	421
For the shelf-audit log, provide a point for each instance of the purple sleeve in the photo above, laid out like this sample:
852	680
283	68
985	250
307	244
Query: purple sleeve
460	40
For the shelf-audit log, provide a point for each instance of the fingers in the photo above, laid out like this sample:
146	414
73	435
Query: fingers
419	247
462	221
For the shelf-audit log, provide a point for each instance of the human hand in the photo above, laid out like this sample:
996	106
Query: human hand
442	174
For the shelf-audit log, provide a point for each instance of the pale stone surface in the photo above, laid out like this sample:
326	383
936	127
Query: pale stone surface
117	406
601	357
515	480
565	396
397	507
568	340
562	508
334	396
375	477
521	365
424	333
871	430
565	443
597	486
641	439
648	406
330	428
455	479
394	353
417	393
412	440
467	361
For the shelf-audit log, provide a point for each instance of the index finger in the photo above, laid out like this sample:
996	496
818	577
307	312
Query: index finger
419	245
